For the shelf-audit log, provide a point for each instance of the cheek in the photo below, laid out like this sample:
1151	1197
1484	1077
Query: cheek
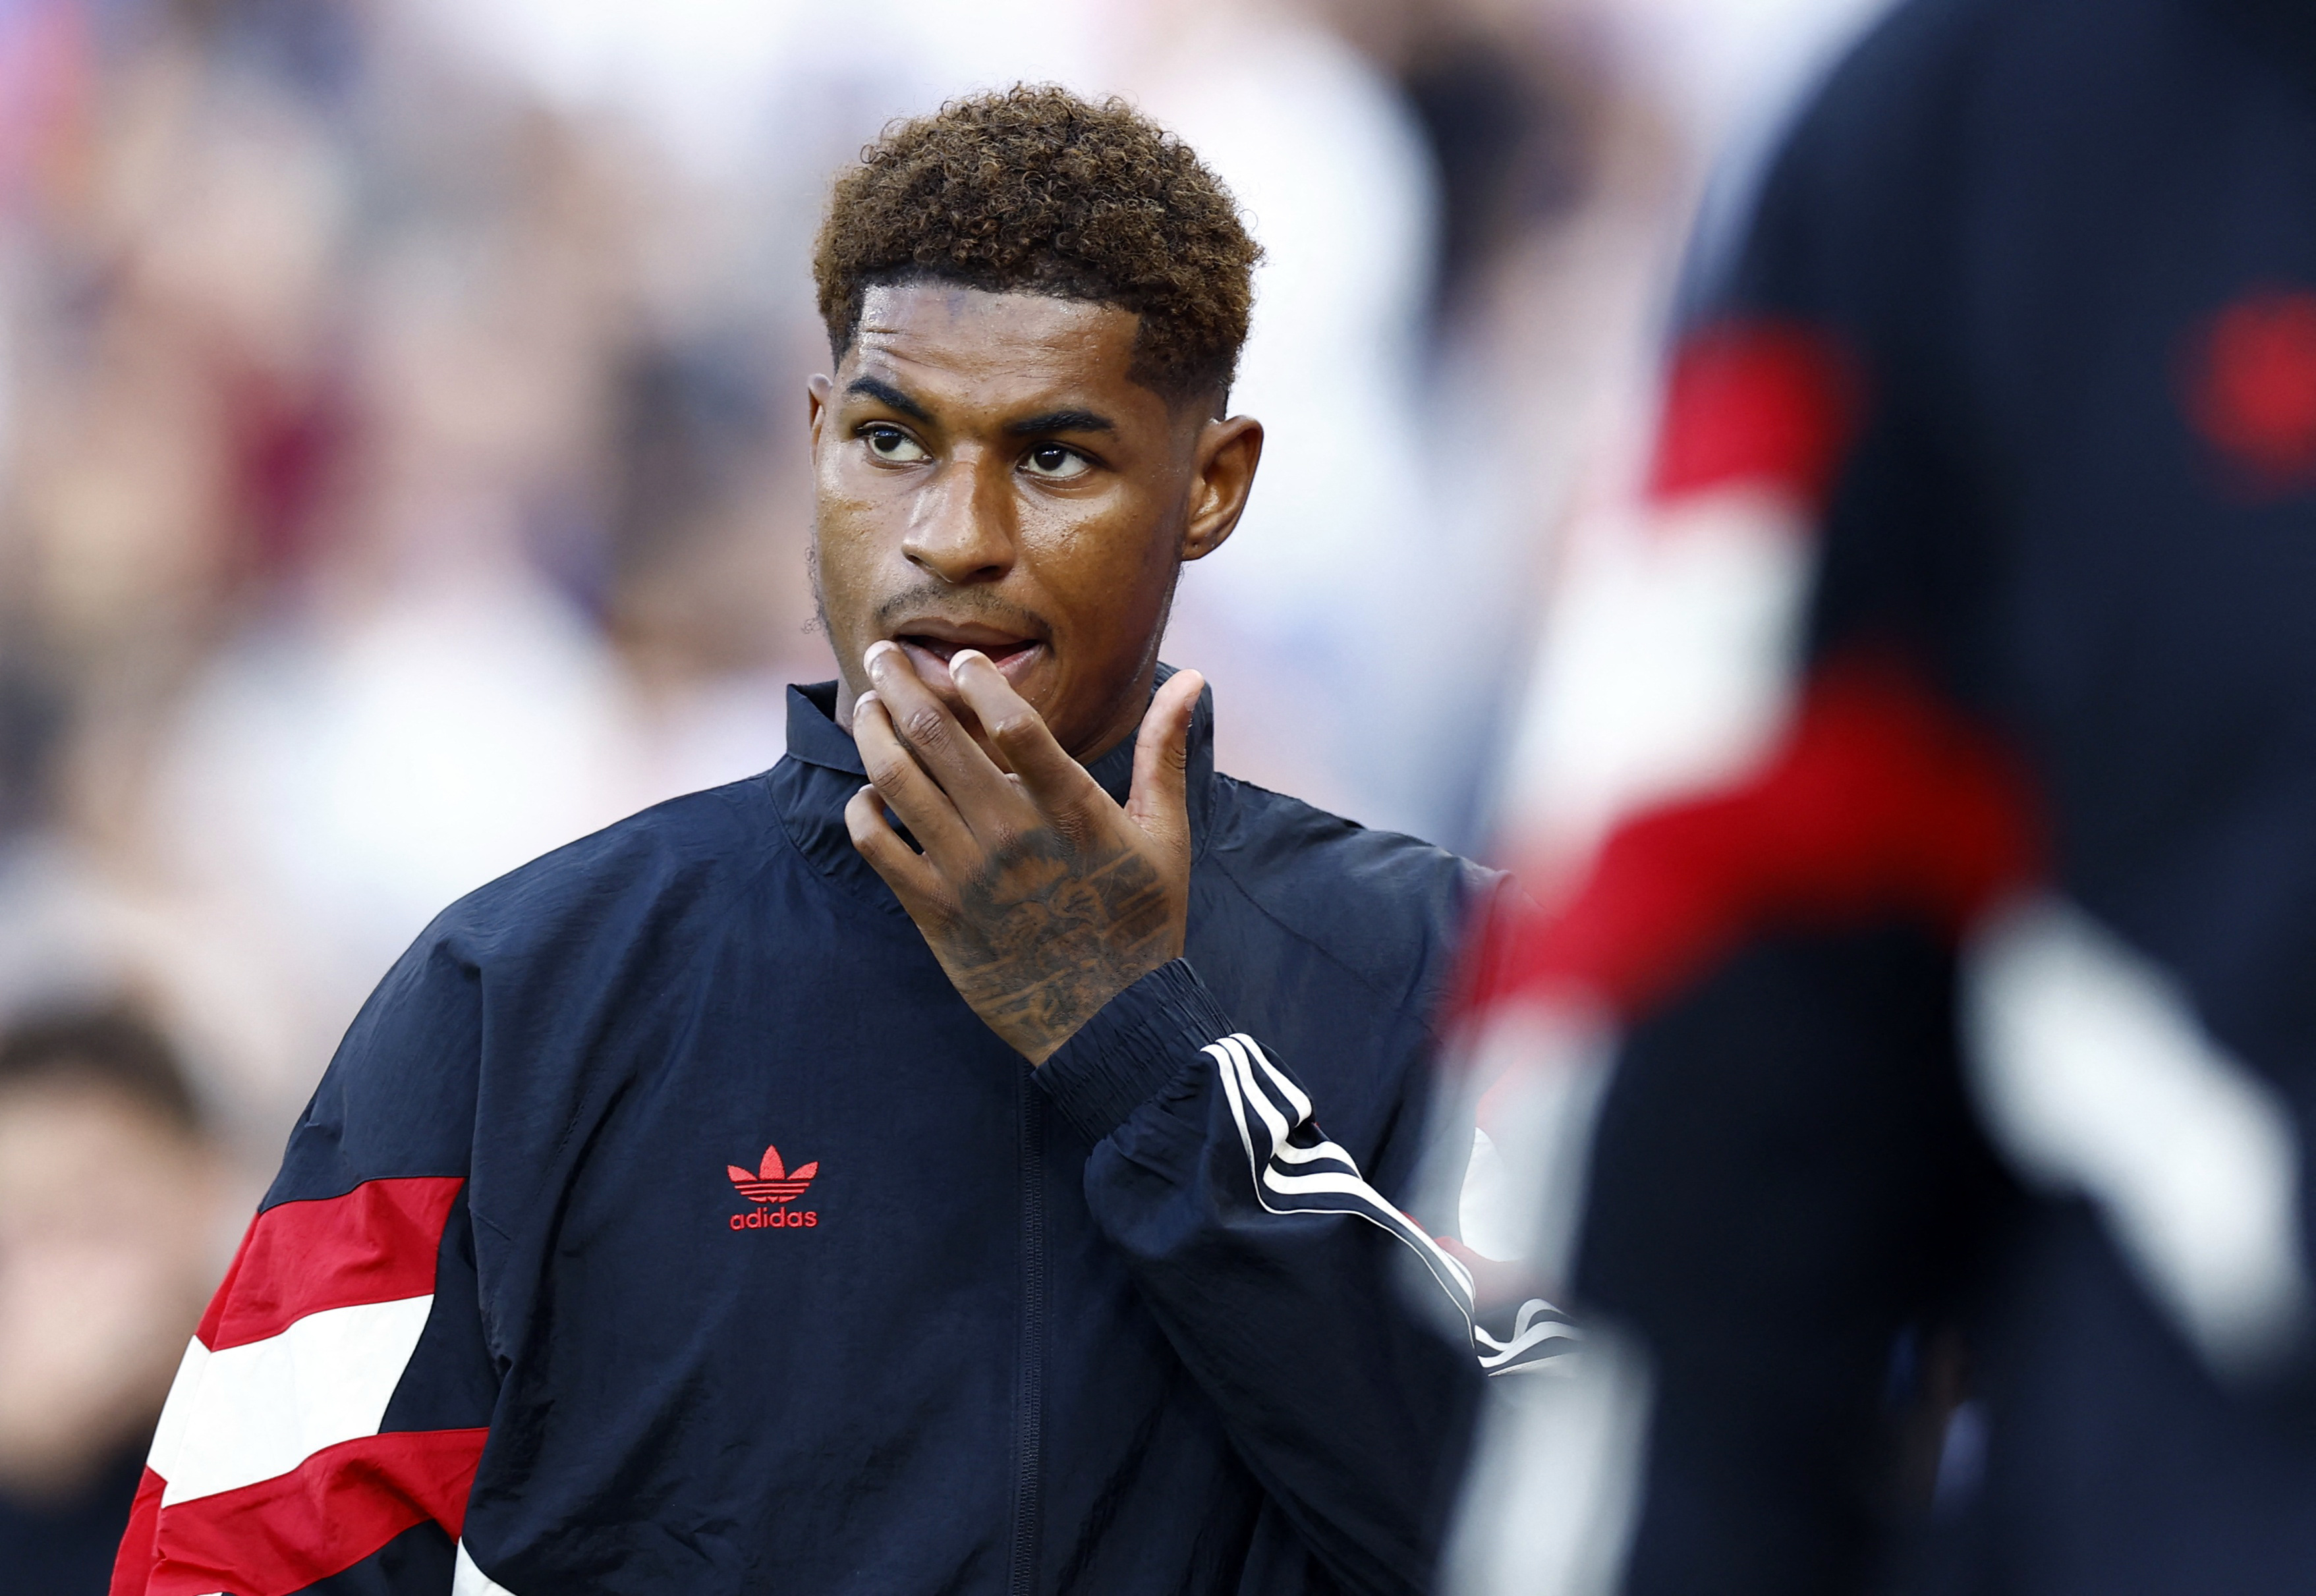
1106	542
1106	585
844	515
850	541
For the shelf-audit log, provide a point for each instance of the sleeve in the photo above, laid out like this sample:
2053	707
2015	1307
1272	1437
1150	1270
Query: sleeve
324	1426
1276	1269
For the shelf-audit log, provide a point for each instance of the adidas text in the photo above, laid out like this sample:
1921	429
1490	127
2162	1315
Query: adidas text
775	1219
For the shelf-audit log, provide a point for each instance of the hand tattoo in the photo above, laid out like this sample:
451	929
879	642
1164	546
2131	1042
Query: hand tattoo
1045	936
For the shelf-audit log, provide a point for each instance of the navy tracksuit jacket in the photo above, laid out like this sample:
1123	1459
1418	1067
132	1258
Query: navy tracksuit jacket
666	1223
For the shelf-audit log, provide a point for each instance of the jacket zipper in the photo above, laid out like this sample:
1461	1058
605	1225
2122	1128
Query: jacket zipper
1030	1388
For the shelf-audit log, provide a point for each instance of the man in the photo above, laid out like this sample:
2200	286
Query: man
2001	423
684	1213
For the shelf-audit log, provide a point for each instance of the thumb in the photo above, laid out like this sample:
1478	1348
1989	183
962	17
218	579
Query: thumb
1159	802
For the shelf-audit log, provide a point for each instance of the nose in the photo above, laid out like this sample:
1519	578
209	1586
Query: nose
962	528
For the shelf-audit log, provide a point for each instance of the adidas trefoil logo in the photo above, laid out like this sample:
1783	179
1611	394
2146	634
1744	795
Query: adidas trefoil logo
772	1187
773	1181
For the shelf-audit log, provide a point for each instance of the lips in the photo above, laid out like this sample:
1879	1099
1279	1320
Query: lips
942	648
930	646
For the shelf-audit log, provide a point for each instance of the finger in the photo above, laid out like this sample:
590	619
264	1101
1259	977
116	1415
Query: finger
1158	800
1056	782
913	795
914	881
935	737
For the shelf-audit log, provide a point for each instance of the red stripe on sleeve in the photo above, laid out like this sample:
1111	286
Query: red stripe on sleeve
333	1510
132	1567
1882	800
376	1244
1754	403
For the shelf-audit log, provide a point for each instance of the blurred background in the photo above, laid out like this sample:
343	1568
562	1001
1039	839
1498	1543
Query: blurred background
401	474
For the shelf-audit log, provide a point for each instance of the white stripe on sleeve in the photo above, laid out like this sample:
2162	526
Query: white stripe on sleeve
253	1411
1272	1113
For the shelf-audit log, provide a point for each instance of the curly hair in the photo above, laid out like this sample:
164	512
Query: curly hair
1034	188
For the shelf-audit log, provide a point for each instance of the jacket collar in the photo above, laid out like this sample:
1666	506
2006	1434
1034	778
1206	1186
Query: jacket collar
826	771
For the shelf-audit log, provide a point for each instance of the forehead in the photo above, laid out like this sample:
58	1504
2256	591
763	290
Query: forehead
971	344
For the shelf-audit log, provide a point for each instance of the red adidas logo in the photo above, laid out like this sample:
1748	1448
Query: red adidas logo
773	1181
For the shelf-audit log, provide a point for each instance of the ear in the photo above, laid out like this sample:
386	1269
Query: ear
815	400
1223	475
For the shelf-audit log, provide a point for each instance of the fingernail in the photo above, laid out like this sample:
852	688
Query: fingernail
962	655
864	701
877	651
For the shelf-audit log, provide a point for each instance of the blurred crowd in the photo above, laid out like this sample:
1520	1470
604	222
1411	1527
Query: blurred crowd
401	473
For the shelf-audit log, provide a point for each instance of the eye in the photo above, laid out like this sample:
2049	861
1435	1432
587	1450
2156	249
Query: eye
892	444
1055	461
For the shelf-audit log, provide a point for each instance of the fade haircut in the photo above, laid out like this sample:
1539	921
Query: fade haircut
1034	189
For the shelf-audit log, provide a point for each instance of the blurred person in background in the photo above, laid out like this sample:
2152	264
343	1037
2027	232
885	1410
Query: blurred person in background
1059	1282
108	1209
1926	768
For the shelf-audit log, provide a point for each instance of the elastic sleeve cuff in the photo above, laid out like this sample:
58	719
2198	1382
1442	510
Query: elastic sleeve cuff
1132	1048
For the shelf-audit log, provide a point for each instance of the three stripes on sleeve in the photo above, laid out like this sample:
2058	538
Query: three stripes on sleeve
1296	1169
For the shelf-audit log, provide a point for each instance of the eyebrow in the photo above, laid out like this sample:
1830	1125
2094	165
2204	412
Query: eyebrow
1060	420
887	394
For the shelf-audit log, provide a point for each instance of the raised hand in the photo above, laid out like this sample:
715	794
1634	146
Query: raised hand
1040	896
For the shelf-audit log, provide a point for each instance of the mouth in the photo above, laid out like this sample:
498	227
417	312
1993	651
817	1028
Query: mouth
931	645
